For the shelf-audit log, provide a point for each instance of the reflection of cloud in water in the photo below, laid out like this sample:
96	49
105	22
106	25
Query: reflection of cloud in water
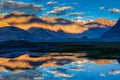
60	72
115	72
28	75
102	74
80	63
31	61
75	66
76	69
71	70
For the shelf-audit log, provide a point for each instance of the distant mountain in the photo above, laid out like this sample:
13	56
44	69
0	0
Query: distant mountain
41	34
103	21
97	27
2	24
20	18
25	21
2	16
100	22
95	32
56	20
48	28
10	33
114	32
44	34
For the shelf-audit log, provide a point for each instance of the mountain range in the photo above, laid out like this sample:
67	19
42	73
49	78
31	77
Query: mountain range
114	32
21	26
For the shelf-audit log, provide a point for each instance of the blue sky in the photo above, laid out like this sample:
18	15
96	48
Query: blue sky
82	9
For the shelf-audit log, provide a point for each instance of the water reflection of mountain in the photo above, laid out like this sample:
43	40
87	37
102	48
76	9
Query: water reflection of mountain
27	60
28	65
118	60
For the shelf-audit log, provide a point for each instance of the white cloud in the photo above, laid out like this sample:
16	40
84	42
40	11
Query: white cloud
60	10
114	10
51	2
76	13
20	6
60	74
79	17
63	8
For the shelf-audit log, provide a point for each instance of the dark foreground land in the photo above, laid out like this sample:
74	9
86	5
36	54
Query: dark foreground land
93	50
59	46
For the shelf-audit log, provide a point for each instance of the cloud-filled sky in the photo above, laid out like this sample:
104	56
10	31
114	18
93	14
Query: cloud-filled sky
70	9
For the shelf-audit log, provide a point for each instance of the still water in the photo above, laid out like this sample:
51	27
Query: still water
91	65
